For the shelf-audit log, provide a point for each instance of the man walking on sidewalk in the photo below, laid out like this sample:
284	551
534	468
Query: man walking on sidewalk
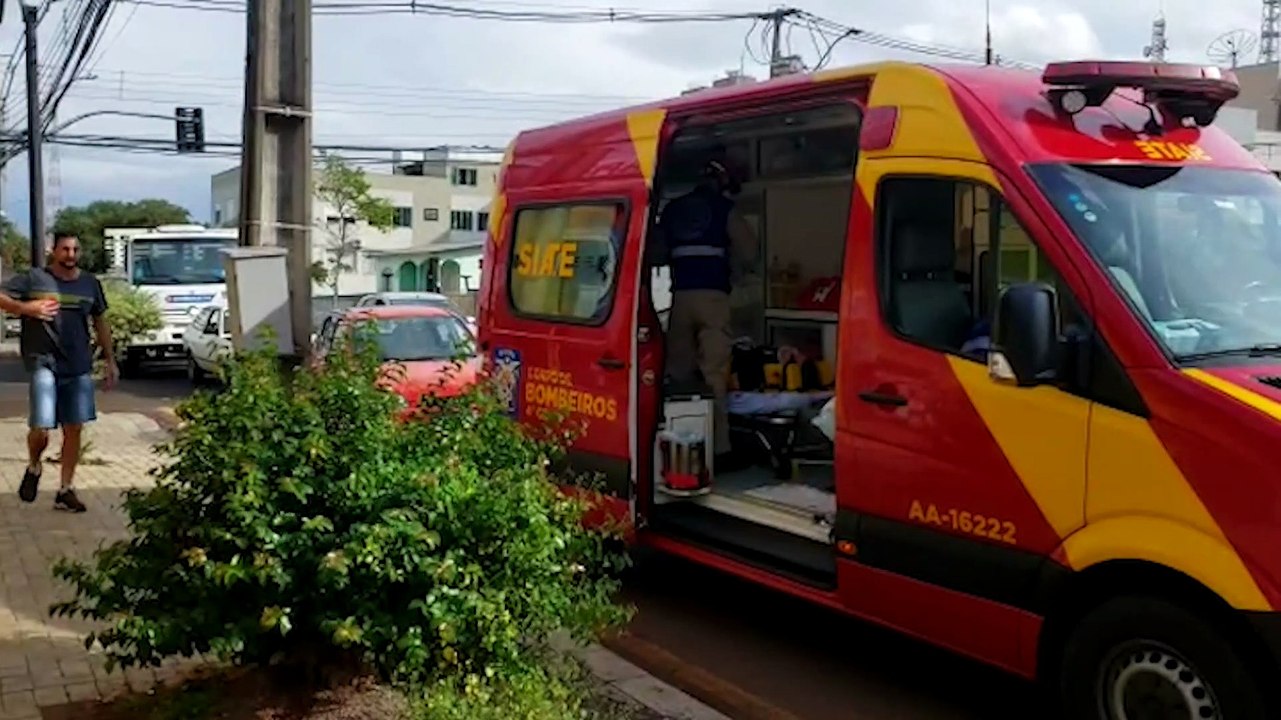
56	306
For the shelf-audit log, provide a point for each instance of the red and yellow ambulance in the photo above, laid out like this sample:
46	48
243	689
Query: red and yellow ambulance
1048	314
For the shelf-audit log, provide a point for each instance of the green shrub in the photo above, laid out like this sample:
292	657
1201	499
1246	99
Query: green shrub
299	519
131	312
556	688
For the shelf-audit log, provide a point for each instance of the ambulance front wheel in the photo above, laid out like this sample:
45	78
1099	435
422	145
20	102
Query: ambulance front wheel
1145	659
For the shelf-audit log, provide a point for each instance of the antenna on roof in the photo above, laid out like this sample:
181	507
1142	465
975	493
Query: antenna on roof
1156	50
987	14
1228	48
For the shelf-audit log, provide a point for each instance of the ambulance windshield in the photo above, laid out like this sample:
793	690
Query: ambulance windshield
1195	251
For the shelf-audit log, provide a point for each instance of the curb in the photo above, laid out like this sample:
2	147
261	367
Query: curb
637	686
716	692
165	417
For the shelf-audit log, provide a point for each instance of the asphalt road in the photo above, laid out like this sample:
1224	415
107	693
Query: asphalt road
808	661
811	662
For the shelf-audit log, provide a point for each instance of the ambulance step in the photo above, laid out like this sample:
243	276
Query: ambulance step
801	559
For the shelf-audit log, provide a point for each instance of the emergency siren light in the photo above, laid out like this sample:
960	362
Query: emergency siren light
1188	92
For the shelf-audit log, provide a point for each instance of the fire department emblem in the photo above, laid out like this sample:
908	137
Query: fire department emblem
506	377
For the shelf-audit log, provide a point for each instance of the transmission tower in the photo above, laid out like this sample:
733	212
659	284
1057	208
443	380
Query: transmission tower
1156	50
1270	32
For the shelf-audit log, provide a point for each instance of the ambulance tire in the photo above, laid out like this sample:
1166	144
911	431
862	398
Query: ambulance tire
1165	644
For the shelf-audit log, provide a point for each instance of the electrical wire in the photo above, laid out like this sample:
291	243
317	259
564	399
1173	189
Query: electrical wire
168	144
230	149
478	110
416	7
20	52
887	41
116	77
96	17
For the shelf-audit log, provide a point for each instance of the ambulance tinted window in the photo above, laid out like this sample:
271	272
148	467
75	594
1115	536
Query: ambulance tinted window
565	261
949	248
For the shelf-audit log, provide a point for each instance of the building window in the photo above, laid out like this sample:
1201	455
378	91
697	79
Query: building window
461	219
431	214
402	217
465	176
482	221
564	261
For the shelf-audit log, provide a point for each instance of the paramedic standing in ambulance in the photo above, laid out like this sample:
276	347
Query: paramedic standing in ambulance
708	245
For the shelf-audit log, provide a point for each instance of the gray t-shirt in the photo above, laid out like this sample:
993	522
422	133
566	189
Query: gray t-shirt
63	343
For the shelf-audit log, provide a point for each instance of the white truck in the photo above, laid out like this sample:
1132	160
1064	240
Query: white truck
181	266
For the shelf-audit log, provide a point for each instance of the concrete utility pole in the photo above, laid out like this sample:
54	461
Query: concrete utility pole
35	136
778	64
276	160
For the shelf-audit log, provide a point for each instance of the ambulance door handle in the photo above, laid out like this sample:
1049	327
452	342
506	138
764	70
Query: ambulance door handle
883	398
611	363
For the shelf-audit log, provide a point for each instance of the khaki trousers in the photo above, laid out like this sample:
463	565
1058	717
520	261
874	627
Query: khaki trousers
698	338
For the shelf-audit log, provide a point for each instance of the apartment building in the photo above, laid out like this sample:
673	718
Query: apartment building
441	214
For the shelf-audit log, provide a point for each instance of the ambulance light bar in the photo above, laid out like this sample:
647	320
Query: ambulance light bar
1186	91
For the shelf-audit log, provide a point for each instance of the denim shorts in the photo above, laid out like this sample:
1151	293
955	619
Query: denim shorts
59	401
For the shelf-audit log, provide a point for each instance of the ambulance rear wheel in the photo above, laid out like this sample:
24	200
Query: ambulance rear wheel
1145	659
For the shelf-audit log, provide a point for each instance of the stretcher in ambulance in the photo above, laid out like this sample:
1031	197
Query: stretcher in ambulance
1007	372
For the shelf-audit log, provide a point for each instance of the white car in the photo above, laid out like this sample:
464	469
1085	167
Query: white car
206	342
389	297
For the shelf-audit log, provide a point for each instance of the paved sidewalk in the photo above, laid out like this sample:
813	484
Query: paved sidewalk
43	661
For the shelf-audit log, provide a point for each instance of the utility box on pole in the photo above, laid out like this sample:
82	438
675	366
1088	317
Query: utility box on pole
258	297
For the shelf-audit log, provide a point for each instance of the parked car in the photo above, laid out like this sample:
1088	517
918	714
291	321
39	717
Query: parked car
206	342
403	298
426	340
430	299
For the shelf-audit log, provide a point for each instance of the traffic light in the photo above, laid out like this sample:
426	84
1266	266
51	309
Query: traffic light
190	129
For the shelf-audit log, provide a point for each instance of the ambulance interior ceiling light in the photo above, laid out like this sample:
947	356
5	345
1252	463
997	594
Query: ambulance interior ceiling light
1185	91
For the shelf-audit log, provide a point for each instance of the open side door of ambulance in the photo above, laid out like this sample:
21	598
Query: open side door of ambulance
562	292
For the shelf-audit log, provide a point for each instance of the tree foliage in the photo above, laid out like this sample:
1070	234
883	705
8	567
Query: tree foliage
15	249
131	312
302	516
345	190
89	222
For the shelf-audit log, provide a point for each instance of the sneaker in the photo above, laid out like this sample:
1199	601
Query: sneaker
67	500
30	483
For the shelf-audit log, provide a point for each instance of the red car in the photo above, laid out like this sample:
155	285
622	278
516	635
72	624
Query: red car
426	341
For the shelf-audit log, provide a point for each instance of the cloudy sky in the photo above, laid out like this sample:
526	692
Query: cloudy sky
412	81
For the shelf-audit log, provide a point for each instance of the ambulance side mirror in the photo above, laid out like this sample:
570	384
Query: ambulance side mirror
1025	336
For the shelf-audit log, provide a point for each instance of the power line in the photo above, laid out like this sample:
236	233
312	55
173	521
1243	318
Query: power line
478	110
117	76
894	43
89	33
168	145
416	7
19	53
